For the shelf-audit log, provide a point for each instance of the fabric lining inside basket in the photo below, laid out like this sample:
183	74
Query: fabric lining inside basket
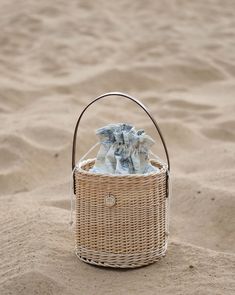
86	165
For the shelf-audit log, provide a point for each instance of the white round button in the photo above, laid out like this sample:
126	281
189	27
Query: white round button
110	200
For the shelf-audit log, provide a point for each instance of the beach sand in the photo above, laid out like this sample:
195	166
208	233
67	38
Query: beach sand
178	58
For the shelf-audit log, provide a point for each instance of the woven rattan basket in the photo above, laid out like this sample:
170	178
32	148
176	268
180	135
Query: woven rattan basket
121	220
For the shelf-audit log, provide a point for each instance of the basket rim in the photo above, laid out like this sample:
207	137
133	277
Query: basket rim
80	170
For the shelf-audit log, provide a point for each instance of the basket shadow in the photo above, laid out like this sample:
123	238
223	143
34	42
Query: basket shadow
119	269
127	269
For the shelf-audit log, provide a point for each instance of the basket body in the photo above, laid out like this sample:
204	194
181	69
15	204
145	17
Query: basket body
121	220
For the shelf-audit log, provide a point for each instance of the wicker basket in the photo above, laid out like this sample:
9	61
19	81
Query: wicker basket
121	220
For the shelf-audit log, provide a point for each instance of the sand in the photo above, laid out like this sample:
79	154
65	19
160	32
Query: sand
178	58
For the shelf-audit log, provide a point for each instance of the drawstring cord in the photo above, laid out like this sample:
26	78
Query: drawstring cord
71	193
155	156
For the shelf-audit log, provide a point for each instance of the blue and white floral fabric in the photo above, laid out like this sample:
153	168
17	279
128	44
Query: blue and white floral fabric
123	150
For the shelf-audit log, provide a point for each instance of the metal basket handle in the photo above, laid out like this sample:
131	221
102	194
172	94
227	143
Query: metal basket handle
126	96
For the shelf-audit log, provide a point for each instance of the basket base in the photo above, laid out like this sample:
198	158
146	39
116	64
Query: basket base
120	261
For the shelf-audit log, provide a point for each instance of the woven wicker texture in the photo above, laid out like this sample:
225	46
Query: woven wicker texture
121	220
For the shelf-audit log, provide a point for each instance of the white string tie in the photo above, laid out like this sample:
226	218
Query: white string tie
71	189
